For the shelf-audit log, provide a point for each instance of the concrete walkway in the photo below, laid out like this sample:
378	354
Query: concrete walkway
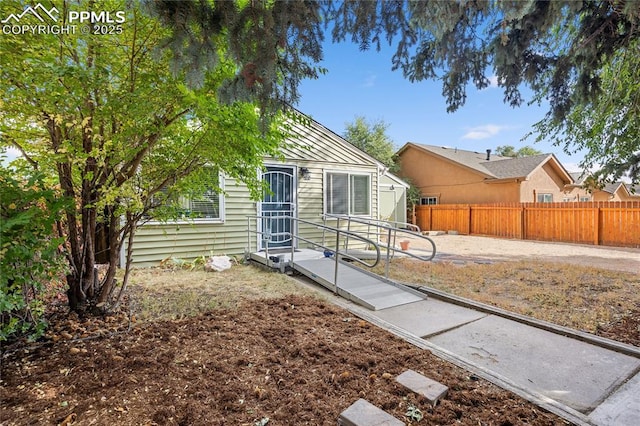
602	385
583	378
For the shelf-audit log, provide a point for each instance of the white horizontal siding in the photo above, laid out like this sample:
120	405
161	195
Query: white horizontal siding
155	242
316	148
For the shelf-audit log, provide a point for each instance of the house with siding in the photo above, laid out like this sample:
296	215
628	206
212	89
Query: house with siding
321	173
447	175
616	191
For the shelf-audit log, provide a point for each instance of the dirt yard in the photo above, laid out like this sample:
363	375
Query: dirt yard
290	361
475	247
249	347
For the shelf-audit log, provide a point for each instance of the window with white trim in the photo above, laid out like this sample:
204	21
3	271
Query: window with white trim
348	194
428	201
544	198
205	207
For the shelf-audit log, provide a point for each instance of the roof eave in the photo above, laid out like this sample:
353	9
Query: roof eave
564	174
464	166
516	179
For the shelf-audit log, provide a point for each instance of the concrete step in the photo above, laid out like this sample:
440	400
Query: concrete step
364	413
424	386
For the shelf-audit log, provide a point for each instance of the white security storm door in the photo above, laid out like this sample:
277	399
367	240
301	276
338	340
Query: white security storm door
277	206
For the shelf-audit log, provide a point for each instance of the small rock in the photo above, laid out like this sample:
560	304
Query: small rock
74	351
363	324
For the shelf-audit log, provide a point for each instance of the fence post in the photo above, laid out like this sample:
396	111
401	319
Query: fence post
523	224
598	224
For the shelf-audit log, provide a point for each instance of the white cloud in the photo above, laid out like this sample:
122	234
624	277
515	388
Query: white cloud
369	81
493	81
572	167
483	132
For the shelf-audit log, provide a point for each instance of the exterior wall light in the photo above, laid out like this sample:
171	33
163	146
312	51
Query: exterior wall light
305	173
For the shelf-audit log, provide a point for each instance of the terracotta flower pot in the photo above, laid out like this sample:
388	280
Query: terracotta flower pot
404	245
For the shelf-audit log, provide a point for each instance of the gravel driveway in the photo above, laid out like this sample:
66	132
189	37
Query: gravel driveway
475	247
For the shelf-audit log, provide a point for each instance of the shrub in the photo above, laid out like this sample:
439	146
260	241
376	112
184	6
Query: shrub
29	255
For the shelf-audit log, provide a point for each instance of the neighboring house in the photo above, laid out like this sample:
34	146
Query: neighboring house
321	173
455	176
617	191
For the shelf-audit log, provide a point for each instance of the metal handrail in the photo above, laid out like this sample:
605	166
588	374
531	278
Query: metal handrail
337	253
391	234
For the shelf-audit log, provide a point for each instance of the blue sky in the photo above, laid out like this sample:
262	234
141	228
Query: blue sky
362	84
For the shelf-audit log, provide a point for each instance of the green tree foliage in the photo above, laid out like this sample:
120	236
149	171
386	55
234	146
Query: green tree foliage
560	49
511	151
607	128
274	44
106	117
371	137
29	256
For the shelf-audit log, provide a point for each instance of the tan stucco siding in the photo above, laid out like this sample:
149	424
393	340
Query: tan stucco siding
619	195
576	193
543	180
452	183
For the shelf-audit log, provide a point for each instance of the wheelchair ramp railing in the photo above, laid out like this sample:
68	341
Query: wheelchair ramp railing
390	236
329	261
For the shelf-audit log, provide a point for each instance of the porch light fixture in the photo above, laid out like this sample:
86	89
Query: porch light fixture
305	173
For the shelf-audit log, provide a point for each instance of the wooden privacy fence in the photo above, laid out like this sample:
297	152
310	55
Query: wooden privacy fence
600	223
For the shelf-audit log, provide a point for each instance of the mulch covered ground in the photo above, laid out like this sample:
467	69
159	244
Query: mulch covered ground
288	361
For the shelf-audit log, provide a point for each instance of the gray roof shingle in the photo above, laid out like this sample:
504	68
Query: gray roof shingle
516	167
496	167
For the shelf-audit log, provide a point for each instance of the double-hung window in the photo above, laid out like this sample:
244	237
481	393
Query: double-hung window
348	194
544	198
206	206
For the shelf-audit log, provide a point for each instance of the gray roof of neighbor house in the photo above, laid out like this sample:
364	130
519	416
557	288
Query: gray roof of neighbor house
516	167
495	167
578	177
611	188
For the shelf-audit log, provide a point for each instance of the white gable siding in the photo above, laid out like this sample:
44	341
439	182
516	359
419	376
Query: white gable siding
318	144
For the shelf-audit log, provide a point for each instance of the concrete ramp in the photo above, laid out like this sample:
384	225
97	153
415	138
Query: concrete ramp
354	284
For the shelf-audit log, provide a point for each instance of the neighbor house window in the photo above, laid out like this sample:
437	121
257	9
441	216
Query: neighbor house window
585	199
427	201
545	198
348	194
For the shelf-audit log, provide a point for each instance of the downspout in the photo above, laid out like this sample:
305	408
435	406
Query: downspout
381	171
